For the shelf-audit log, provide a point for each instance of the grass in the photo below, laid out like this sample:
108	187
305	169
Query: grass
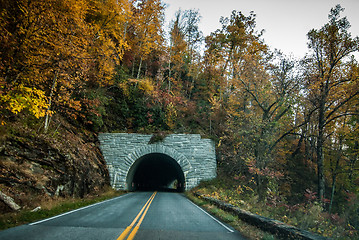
248	231
52	208
307	215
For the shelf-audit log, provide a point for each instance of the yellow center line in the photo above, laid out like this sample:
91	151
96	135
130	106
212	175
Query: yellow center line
128	229
133	233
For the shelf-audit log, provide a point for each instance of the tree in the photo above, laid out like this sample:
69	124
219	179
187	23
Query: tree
185	39
39	39
192	34
330	80
51	50
258	89
146	35
177	50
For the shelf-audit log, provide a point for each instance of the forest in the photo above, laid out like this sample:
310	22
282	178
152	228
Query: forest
286	129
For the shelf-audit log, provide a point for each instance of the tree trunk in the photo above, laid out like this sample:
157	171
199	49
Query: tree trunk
333	191
169	74
353	160
319	150
139	69
260	188
261	164
47	118
335	173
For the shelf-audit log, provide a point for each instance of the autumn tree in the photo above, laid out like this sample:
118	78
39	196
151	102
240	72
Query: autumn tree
108	24
226	49
177	50
257	89
184	42
52	50
331	82
39	39
145	33
190	27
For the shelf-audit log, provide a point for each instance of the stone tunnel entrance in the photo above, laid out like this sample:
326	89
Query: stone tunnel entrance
177	163
155	172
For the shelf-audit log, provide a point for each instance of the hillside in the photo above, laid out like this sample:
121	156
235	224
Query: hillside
66	162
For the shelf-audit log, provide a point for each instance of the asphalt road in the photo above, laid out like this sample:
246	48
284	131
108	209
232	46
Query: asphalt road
140	215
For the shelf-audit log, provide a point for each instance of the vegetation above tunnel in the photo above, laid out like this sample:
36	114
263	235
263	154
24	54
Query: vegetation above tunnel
286	128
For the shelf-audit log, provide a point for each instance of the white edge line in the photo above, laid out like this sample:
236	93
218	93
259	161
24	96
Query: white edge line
79	209
230	230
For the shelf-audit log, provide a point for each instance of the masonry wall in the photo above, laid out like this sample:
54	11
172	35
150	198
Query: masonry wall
195	155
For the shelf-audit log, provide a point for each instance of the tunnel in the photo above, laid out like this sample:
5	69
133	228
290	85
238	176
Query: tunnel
155	172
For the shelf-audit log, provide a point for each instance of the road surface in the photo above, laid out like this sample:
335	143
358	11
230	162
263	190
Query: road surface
140	215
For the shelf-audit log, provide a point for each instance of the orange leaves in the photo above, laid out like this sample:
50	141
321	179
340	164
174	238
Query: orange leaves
82	40
108	24
147	27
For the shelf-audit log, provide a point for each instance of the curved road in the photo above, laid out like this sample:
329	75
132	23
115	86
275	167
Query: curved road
140	215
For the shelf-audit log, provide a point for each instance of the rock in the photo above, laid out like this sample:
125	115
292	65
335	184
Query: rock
36	166
36	209
9	201
59	189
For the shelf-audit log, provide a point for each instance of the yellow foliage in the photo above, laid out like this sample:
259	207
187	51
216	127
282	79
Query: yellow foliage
24	98
171	115
146	85
80	40
215	102
147	21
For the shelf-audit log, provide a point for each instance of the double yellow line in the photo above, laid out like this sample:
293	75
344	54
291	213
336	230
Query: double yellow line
135	229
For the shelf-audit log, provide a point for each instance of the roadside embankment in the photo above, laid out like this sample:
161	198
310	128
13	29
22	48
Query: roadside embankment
280	229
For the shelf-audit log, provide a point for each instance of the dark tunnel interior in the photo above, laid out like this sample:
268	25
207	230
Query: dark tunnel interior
156	172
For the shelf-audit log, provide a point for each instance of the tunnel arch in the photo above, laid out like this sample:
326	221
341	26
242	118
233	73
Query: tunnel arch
156	157
155	172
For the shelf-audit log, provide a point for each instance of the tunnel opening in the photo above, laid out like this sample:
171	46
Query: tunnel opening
156	172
